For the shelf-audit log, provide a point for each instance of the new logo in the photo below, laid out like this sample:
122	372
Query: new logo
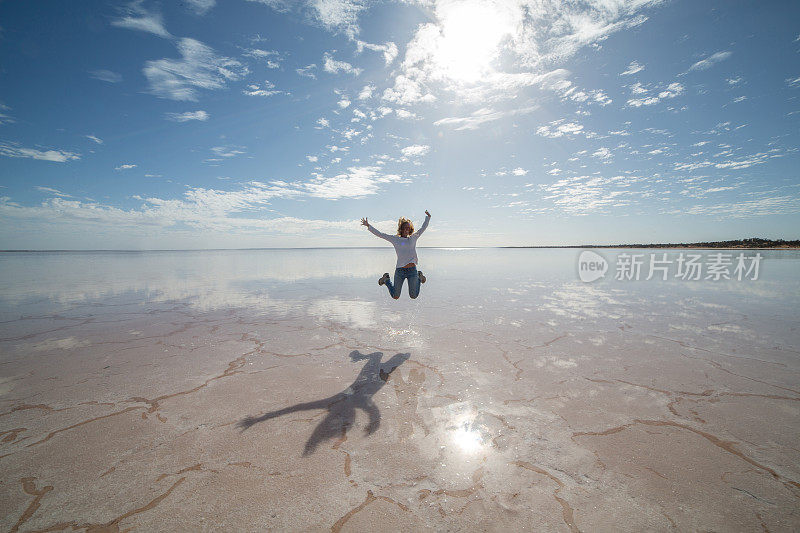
591	266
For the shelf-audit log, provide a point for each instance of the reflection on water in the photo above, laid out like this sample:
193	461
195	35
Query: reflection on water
352	313
503	287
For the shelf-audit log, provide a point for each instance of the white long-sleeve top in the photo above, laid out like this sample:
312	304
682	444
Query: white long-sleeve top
406	247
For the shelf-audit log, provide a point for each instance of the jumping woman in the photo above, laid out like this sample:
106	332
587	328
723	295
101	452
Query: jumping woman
405	244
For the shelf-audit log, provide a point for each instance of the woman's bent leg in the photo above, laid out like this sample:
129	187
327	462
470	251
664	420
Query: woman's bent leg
397	286
413	283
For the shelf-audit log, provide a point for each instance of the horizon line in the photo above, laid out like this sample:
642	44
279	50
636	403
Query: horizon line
554	246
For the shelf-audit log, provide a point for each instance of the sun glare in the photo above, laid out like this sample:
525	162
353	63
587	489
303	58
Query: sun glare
470	35
467	438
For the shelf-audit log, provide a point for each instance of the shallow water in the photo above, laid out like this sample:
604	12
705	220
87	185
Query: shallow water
509	394
290	280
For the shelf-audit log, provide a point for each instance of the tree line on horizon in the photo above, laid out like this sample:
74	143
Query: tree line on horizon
753	242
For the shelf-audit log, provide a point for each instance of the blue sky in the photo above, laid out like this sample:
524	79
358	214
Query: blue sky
251	123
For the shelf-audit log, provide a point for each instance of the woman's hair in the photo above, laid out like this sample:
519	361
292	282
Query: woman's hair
404	220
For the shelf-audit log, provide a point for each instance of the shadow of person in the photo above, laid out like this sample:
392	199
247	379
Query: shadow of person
342	407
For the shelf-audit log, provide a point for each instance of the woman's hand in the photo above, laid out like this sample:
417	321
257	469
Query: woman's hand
426	212
365	222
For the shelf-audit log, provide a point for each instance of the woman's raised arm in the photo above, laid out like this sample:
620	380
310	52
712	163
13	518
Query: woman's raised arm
424	224
365	222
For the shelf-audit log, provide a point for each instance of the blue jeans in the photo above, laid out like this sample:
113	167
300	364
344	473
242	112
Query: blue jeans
401	274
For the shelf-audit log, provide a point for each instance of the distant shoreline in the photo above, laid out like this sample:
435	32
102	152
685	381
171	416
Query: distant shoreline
740	244
662	246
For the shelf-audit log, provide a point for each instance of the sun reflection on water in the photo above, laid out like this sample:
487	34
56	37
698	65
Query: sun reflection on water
467	437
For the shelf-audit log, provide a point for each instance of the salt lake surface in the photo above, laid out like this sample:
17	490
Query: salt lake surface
284	389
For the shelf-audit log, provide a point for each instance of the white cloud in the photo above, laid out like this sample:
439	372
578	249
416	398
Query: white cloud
732	164
267	89
407	91
639	102
389	50
338	15
739	99
734	81
343	103
188	115
793	82
746	208
633	68
334	66
415	150
670	91
203	209
201	7
581	195
519	171
357	182
271	58
228	151
459	50
601	98
199	68
698	188
312	158
580	96
710	61
281	6
5	119
126	166
57	156
52	191
366	92
307	71
475	119
136	17
565	27
560	128
94	139
602	153
404	113
106	76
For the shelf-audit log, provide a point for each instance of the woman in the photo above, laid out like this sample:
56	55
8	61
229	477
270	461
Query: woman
405	244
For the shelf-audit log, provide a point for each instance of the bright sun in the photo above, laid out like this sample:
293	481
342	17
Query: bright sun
467	438
471	32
